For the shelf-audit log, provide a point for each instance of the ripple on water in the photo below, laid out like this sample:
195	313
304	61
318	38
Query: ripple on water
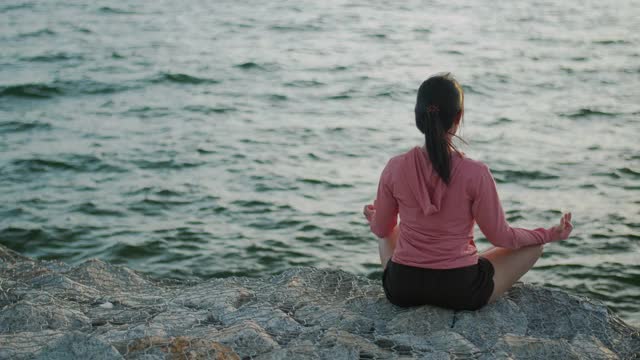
144	250
144	112
35	90
520	176
587	113
346	95
184	235
20	126
91	208
342	235
207	110
325	183
295	28
114	11
181	78
625	171
304	84
59	88
65	162
12	7
253	66
37	33
52	57
269	224
167	164
33	240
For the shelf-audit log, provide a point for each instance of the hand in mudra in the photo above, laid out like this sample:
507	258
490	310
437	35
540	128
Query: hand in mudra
368	212
562	230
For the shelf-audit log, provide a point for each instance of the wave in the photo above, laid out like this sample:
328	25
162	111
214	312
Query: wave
115	11
19	126
251	203
91	208
508	176
37	33
181	78
7	8
144	112
275	225
59	88
629	172
277	97
166	164
72	162
250	65
295	28
328	184
152	190
611	42
586	112
52	57
203	109
51	240
30	91
500	121
377	36
343	96
156	206
304	83
22	239
144	250
468	89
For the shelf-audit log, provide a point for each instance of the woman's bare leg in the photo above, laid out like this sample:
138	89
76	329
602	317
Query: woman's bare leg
510	265
387	245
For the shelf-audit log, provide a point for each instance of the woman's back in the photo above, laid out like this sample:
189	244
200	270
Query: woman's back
436	228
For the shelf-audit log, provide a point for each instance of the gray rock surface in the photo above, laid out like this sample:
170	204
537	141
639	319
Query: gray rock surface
50	310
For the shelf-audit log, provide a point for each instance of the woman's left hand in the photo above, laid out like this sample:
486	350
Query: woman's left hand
369	211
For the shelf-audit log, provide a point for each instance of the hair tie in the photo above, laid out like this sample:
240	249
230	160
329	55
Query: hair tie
432	108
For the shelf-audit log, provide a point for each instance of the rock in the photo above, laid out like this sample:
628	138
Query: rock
25	316
75	345
50	310
524	347
437	343
590	348
422	321
485	326
24	345
248	338
179	348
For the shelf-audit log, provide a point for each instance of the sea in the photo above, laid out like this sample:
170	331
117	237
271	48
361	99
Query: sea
205	139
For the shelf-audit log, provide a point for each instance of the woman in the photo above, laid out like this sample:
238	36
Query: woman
430	257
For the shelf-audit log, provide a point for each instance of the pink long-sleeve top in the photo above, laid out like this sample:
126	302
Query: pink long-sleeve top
436	227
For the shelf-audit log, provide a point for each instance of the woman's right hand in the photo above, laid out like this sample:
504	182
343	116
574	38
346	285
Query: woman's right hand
562	230
369	211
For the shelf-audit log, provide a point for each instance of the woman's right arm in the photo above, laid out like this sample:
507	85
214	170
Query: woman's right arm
488	213
385	218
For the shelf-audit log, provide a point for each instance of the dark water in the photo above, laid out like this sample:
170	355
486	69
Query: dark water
208	139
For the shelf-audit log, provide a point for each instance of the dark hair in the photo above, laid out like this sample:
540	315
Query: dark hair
440	100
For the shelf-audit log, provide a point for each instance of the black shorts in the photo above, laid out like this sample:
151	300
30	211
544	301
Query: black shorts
464	288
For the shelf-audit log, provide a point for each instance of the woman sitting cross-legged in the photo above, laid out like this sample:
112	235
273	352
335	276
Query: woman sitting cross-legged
430	256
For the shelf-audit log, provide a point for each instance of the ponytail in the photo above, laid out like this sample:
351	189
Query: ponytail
438	144
440	103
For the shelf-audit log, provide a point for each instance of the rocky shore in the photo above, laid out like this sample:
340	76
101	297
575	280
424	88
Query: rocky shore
50	310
